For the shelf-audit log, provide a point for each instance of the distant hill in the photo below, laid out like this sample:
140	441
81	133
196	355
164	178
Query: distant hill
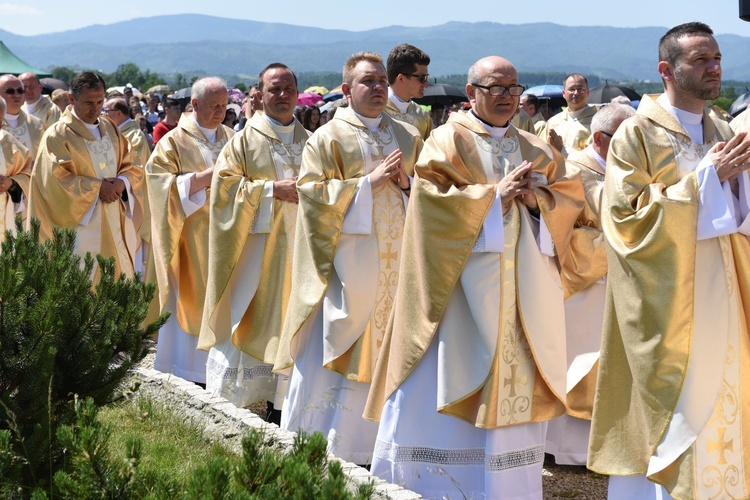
192	42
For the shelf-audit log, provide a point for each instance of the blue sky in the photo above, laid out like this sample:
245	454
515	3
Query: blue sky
31	17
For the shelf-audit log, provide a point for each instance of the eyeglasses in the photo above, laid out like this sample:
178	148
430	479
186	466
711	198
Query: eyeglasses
499	90
18	91
606	133
422	78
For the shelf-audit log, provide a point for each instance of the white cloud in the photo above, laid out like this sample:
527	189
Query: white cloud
18	9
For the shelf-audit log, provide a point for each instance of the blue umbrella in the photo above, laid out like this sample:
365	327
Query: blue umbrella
545	91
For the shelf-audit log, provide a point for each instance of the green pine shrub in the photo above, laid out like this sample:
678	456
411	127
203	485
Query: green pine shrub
60	336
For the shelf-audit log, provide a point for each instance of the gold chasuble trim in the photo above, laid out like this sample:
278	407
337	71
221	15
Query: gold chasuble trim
65	176
450	199
180	243
332	167
649	217
16	163
250	159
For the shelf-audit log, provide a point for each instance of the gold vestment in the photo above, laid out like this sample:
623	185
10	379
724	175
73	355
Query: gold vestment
65	184
249	160
16	164
450	200
333	165
46	111
575	132
179	242
659	282
415	116
28	130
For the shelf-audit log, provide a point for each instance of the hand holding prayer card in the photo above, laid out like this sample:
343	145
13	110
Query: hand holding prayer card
286	190
732	157
517	183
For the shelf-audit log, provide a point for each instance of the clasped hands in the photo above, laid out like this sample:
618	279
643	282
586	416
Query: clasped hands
518	184
730	158
111	189
390	170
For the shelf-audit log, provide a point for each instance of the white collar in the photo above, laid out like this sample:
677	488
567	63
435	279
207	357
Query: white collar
373	124
594	155
209	133
400	104
495	132
120	126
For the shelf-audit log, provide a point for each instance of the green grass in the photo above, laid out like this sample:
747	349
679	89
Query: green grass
172	446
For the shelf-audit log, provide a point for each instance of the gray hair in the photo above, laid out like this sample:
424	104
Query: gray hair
610	116
620	99
473	75
3	107
203	86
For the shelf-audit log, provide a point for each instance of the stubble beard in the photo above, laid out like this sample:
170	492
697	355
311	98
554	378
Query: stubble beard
694	87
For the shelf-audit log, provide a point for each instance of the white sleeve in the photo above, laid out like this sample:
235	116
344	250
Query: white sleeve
89	213
130	205
264	214
716	215
358	218
191	203
492	235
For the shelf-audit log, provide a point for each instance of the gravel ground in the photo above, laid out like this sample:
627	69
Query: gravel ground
560	481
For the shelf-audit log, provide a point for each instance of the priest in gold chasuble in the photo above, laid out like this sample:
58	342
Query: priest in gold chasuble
408	79
23	126
37	104
253	213
84	178
671	414
572	126
353	190
178	177
15	171
473	361
583	277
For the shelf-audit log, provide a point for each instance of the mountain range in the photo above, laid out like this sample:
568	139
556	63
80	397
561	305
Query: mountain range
212	45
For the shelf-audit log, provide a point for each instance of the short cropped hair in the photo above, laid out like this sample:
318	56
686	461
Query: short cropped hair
203	86
402	60
354	59
120	105
86	80
607	116
533	100
170	102
670	50
585	80
276	65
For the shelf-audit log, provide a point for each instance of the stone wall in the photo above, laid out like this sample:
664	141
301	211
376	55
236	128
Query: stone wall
225	423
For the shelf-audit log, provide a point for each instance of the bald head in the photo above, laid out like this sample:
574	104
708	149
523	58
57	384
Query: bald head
490	65
493	71
11	89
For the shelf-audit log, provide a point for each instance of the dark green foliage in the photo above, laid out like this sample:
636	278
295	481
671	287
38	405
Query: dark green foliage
92	471
59	337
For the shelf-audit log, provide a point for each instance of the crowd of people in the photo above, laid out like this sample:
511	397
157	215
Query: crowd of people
445	302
